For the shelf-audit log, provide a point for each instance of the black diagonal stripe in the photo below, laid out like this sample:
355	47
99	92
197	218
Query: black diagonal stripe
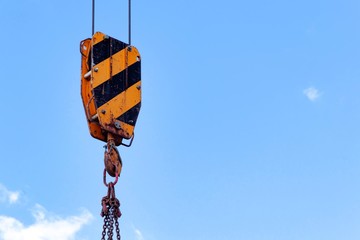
102	50
117	84
130	117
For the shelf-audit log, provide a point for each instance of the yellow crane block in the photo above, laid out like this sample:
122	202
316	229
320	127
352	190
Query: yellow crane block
110	87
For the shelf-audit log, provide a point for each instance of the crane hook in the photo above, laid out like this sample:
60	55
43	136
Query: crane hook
112	159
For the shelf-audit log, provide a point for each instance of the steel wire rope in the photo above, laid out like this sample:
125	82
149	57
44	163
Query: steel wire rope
129	19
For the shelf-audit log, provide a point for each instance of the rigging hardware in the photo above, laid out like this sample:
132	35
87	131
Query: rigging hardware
111	96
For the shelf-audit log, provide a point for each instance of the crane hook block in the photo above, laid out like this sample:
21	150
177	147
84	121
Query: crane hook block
110	86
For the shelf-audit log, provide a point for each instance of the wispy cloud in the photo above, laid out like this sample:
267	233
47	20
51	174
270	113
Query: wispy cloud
138	234
47	226
312	93
7	196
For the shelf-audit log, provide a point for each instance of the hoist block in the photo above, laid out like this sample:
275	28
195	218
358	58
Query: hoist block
110	86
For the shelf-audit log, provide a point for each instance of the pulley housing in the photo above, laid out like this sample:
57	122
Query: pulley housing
110	87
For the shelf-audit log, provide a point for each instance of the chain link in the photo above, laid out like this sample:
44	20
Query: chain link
117	229
110	212
104	229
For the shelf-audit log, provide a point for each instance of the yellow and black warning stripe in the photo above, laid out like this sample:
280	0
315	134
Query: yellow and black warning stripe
116	83
107	47
119	83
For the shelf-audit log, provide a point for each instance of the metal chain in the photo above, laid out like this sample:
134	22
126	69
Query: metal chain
111	223
110	212
104	229
117	229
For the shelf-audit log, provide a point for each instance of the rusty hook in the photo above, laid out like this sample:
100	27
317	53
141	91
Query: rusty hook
112	159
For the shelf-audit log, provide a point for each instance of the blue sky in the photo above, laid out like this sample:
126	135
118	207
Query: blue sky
249	127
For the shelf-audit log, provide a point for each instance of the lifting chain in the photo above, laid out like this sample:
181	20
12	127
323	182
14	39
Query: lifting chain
110	212
110	204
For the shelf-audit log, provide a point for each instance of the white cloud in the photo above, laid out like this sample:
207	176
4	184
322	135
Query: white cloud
8	196
47	226
312	93
138	234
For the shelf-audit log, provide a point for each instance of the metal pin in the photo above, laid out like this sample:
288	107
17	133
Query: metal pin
94	117
87	75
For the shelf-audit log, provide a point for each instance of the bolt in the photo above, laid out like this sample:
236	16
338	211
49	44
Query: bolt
117	125
96	69
103	111
138	87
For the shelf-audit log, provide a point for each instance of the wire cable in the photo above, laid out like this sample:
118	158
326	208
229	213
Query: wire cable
93	18
129	22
